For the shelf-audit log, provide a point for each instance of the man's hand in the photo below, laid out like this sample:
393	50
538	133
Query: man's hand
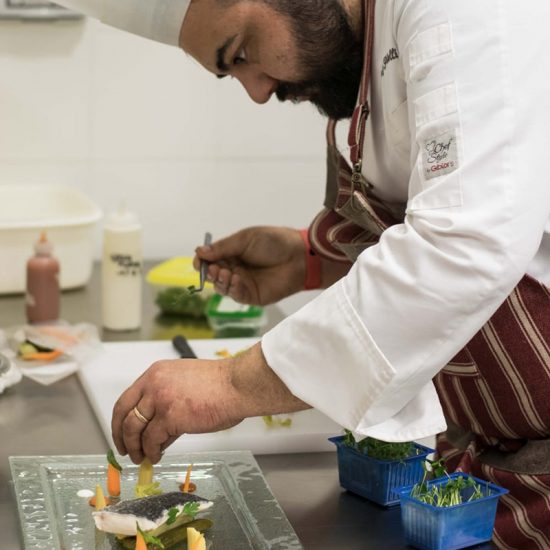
258	265
196	396
177	397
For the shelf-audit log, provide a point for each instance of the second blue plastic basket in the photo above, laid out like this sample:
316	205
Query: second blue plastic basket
434	528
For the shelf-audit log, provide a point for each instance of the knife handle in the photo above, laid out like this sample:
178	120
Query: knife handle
183	347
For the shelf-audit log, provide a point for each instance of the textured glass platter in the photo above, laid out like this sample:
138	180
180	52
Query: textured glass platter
53	516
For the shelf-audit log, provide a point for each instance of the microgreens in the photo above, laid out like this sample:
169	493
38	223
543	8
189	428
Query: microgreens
446	494
381	450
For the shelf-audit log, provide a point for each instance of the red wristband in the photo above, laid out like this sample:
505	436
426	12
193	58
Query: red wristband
313	264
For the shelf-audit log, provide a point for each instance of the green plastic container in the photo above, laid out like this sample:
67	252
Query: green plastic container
228	318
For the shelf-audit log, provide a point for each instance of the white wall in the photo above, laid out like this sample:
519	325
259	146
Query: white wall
120	117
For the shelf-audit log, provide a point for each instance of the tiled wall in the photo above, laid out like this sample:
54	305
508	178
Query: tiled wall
123	118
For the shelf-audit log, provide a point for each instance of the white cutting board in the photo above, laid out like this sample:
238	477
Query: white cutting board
120	363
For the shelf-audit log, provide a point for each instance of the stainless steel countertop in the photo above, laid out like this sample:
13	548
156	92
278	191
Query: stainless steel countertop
39	420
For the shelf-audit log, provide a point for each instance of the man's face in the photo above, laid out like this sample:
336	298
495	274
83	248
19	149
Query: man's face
296	50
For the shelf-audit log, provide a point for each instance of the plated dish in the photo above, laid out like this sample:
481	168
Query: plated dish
54	511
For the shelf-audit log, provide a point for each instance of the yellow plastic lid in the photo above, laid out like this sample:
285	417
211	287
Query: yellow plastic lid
175	272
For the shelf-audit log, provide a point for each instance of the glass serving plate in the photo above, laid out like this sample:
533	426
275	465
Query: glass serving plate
53	516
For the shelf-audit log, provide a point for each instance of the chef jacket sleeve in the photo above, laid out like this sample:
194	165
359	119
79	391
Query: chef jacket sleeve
364	352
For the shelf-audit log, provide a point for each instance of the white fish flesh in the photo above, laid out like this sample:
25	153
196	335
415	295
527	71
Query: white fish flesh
148	512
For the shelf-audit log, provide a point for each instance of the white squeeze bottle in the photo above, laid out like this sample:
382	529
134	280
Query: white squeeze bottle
121	271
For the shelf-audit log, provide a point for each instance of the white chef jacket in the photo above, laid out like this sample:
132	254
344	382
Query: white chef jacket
459	132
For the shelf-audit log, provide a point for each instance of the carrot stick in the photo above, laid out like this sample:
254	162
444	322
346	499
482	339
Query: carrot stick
187	479
113	474
140	542
113	481
42	355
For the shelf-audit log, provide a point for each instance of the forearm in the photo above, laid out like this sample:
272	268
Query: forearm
257	390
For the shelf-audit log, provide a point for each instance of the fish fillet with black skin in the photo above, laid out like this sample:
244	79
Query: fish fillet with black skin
148	512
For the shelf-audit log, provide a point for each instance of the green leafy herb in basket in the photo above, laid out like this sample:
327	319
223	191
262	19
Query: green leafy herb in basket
446	494
381	450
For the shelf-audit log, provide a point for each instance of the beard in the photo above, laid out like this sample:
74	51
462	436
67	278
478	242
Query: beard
330	56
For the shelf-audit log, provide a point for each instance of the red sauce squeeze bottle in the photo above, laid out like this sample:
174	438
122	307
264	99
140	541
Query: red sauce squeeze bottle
43	295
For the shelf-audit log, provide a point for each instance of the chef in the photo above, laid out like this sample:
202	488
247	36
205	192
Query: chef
433	245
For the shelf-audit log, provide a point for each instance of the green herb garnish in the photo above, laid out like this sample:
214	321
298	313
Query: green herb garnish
148	538
172	514
190	509
113	461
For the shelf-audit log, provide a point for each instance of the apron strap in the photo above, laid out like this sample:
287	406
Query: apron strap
356	136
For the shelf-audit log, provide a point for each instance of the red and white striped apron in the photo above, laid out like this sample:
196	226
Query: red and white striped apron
496	390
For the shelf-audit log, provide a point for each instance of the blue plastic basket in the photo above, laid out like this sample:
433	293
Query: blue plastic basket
377	479
434	528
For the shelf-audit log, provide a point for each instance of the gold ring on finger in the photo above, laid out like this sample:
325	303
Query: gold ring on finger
140	417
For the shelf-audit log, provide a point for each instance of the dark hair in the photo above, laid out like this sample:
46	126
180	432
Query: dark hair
330	53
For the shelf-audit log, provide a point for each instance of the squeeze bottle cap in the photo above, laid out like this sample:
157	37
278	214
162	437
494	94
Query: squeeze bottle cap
43	247
122	219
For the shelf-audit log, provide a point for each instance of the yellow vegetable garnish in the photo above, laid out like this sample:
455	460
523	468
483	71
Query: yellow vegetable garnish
99	498
145	486
195	539
271	422
145	475
148	490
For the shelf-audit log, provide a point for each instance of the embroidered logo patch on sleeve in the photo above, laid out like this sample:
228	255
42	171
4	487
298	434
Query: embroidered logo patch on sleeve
440	155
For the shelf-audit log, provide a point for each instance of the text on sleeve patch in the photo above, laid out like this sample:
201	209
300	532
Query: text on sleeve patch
440	155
